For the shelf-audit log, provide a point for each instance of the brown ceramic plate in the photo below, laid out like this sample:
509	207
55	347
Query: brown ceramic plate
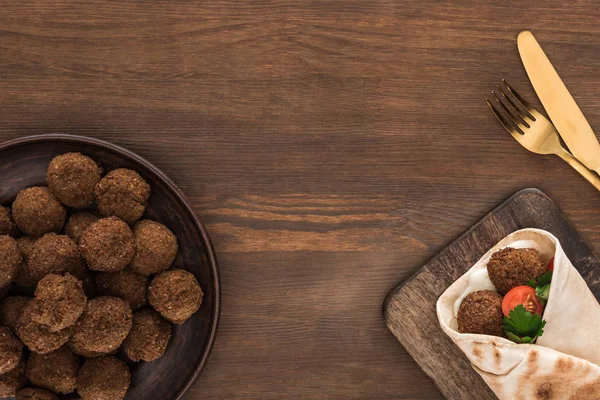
23	163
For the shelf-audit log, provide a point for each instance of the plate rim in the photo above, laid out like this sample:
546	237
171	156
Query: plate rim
211	253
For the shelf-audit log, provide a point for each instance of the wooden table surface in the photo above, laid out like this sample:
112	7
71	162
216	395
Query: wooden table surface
332	147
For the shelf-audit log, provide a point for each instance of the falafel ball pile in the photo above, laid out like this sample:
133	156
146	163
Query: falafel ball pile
85	285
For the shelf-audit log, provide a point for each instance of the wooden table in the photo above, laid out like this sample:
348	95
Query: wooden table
331	147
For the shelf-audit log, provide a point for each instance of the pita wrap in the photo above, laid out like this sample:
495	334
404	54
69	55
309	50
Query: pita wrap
565	361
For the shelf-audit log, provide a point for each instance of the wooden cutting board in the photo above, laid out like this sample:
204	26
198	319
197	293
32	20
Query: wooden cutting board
409	309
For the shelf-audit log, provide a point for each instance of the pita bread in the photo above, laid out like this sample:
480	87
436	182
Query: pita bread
565	361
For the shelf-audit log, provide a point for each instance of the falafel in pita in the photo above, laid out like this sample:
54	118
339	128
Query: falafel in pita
564	362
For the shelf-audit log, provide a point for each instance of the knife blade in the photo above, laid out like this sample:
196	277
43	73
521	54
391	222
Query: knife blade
558	102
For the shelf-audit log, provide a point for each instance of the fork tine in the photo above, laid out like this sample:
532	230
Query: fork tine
522	115
515	120
521	100
509	128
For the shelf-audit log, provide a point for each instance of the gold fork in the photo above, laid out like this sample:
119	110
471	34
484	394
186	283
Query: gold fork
532	130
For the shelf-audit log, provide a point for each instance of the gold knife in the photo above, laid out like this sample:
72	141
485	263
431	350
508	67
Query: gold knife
558	102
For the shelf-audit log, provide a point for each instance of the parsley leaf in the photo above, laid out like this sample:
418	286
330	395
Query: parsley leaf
541	281
517	339
522	326
544	279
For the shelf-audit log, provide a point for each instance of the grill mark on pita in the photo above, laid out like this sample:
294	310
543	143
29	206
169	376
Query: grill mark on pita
565	382
477	352
588	391
563	365
586	369
544	391
497	357
532	365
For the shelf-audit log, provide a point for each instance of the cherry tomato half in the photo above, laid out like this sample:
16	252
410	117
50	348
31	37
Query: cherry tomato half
522	295
551	264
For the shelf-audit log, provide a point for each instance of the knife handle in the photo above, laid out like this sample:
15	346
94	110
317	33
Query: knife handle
582	169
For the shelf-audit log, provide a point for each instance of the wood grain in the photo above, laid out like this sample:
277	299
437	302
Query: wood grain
409	310
331	147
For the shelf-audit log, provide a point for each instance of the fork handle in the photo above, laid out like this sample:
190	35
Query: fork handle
582	169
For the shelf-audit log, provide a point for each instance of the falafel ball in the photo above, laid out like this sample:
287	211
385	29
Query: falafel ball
10	260
11	309
54	254
156	247
36	336
122	193
36	212
59	301
72	177
24	278
105	378
36	394
149	336
481	312
11	350
102	328
175	294
107	245
56	371
13	380
78	223
126	284
7	225
509	268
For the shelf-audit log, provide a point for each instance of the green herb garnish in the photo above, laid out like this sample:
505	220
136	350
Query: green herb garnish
541	286
521	326
541	281
544	279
